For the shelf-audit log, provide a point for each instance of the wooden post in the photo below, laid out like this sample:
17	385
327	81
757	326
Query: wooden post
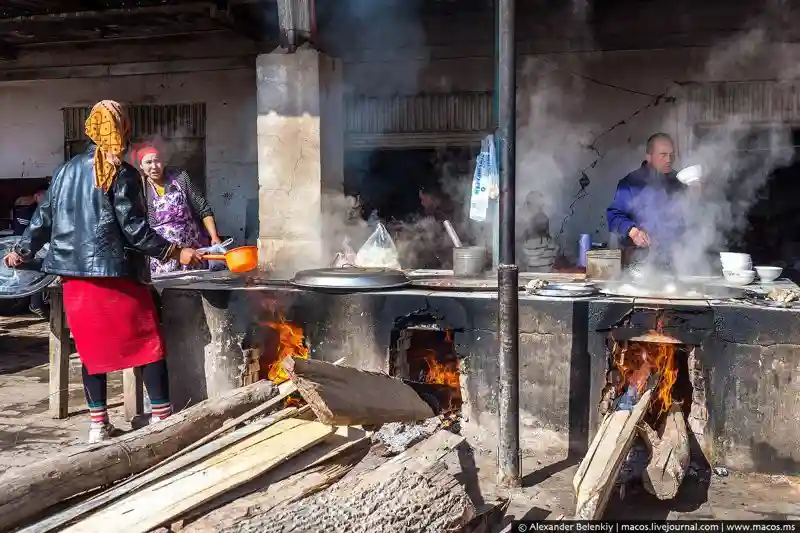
132	392
59	357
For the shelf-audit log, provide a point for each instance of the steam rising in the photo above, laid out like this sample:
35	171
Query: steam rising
737	157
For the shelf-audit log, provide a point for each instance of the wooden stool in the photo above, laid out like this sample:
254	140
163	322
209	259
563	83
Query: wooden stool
60	348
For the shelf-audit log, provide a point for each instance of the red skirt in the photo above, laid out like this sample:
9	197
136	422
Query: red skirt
114	323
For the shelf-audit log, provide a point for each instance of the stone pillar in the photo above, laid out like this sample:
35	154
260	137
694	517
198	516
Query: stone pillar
300	156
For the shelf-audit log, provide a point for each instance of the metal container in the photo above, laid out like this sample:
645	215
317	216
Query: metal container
469	260
584	245
604	264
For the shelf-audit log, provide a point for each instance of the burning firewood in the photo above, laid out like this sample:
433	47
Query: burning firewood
597	473
669	454
345	396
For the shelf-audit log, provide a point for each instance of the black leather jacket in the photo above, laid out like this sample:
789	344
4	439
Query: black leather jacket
93	233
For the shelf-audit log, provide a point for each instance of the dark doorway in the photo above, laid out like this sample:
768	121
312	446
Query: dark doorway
773	233
392	184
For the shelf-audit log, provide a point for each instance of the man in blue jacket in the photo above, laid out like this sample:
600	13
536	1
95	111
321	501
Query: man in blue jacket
643	211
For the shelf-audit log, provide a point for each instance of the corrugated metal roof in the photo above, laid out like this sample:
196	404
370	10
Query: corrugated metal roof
455	112
423	120
165	121
751	101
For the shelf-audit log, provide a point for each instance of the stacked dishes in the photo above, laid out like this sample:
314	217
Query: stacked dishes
737	268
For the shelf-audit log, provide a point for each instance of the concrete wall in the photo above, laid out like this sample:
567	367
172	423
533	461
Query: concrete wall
570	92
32	136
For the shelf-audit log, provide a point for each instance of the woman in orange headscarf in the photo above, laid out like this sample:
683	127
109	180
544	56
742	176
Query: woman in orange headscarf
95	219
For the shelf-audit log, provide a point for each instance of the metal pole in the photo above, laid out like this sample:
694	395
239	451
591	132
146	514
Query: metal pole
507	272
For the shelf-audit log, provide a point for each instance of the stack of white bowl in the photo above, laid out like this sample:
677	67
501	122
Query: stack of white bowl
737	268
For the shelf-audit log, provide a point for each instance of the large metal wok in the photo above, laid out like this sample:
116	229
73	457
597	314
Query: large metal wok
672	289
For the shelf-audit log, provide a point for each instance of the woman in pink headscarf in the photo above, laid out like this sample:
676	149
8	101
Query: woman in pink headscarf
176	209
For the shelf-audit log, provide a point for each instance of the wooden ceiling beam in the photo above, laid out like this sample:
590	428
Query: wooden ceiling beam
51	18
221	12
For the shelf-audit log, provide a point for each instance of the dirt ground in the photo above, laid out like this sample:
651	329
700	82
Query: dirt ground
28	433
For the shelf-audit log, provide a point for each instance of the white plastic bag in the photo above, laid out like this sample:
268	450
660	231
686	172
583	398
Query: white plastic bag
484	181
217	249
346	257
379	251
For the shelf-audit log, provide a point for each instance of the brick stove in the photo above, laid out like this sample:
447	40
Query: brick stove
745	360
678	333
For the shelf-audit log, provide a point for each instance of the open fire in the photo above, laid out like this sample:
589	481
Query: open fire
637	364
427	355
289	344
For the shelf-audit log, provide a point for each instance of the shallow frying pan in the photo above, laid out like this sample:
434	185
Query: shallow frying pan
238	260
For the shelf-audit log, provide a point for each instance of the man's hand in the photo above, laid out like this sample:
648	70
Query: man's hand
190	257
13	260
639	237
215	241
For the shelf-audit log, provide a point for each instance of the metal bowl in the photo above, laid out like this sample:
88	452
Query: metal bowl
26	280
350	279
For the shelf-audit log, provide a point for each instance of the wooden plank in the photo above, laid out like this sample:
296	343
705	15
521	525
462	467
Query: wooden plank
594	488
132	392
587	459
26	492
115	493
295	479
413	491
59	357
145	510
348	396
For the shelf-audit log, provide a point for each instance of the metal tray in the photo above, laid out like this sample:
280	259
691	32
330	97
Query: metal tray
555	293
685	290
566	290
350	279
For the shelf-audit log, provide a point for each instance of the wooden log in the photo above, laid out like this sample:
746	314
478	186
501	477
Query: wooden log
345	396
26	492
412	492
669	455
598	471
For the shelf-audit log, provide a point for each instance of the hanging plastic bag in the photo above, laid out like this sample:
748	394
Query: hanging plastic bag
484	181
346	257
379	251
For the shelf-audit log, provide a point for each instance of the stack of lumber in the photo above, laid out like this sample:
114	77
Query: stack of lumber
272	469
